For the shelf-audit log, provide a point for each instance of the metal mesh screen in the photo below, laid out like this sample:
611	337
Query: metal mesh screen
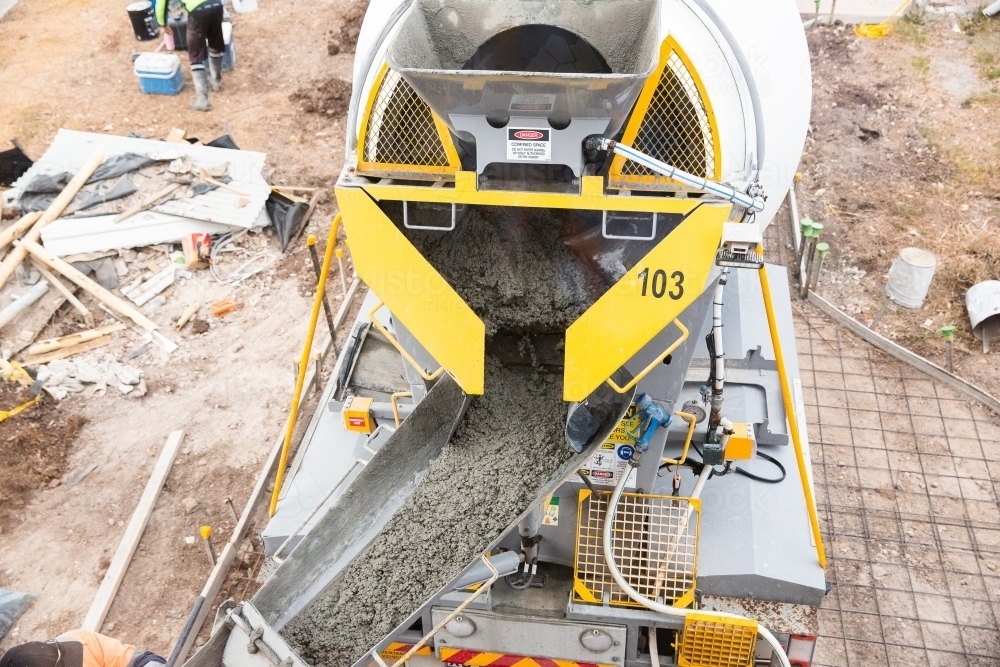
709	642
655	543
401	128
675	128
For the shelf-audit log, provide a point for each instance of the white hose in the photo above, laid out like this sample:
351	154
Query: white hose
720	354
609	558
654	651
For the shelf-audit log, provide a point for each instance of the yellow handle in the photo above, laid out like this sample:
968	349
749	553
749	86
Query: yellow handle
395	343
691	420
656	362
304	363
793	421
395	406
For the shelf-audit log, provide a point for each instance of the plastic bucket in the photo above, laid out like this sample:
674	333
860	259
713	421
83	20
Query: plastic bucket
910	277
143	20
245	6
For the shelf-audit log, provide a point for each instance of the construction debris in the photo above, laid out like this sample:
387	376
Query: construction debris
61	377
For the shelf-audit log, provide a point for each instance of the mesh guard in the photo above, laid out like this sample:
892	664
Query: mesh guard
672	122
652	557
402	137
715	641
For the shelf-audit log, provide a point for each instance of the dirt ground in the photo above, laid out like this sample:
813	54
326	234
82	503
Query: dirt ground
68	64
903	151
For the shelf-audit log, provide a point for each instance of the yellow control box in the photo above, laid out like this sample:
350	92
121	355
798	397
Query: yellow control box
742	444
357	414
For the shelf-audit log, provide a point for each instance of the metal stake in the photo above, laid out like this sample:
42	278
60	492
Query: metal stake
948	332
236	517
206	534
822	248
311	243
881	311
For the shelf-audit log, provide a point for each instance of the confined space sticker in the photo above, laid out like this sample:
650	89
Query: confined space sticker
551	517
529	145
532	102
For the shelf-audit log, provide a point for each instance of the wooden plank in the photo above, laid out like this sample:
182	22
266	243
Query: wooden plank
133	533
904	355
52	344
8	235
86	346
101	294
149	203
65	291
55	209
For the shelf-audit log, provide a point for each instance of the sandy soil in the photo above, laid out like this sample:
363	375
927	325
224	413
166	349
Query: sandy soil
903	152
67	64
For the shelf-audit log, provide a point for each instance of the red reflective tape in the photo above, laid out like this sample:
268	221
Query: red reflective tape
461	656
507	660
545	662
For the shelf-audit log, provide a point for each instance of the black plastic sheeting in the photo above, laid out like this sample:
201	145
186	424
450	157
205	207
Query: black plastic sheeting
42	190
286	216
225	141
13	164
12	605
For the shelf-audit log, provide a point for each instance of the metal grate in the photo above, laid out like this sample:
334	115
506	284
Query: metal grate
711	641
655	543
401	128
675	128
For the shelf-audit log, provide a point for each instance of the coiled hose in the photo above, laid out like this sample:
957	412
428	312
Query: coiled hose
652	605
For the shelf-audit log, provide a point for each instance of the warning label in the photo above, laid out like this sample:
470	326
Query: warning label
551	517
611	461
608	465
532	102
529	145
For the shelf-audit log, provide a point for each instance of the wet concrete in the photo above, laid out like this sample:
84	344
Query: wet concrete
513	268
509	445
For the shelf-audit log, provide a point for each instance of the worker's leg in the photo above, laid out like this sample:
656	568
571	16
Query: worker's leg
216	48
197	44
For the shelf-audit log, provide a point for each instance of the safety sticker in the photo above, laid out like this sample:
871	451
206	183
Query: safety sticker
529	144
551	517
608	464
627	431
532	102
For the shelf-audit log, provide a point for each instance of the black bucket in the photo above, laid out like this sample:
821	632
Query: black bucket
143	20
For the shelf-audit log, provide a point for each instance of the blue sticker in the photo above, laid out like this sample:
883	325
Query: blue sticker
625	452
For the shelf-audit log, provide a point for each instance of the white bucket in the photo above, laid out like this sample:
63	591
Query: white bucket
245	6
910	277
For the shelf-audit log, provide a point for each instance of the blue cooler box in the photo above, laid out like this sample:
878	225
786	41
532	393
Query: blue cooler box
159	73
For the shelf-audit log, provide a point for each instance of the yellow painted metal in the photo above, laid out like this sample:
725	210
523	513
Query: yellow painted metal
692	421
793	421
653	364
399	348
741	445
590	198
674	63
444	164
414	291
711	640
395	406
331	243
663	563
630	313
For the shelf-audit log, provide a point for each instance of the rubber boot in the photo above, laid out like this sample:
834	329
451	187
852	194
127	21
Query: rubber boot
200	102
215	72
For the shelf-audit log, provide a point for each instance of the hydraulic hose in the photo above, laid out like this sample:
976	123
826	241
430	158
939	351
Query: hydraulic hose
719	353
609	558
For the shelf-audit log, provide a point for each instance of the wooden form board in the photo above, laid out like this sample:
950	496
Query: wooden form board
133	533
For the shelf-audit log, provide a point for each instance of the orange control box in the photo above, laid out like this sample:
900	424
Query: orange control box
358	414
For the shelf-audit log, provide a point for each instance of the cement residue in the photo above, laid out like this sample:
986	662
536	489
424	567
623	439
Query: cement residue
507	448
513	269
